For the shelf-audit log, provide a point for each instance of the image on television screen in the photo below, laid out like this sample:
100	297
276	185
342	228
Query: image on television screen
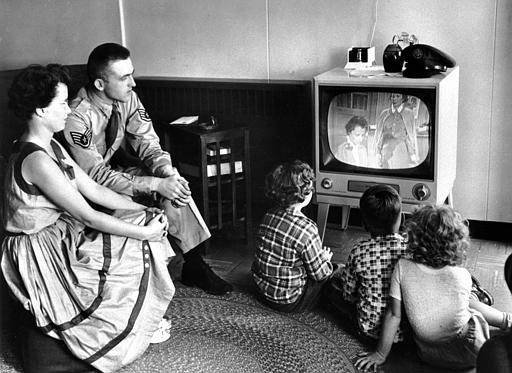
380	130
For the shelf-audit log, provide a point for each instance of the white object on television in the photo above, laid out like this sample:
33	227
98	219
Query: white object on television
356	59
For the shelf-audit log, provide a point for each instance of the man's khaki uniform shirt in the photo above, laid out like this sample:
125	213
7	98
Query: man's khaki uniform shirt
136	141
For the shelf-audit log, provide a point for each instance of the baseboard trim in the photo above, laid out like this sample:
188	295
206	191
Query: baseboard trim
490	230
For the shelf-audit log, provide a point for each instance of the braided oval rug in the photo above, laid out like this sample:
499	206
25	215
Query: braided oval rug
236	333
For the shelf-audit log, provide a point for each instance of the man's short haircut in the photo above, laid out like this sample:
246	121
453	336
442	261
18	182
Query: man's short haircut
289	183
354	122
102	56
381	207
35	87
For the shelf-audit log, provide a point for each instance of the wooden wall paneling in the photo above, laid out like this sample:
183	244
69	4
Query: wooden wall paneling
278	115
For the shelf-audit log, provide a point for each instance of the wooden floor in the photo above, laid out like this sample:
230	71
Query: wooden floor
231	258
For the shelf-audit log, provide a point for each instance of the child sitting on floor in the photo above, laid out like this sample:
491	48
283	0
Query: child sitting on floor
449	323
290	266
364	281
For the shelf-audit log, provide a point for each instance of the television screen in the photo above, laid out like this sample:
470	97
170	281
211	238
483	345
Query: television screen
379	131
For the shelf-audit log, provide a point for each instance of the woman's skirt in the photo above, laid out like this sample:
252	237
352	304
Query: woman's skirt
102	295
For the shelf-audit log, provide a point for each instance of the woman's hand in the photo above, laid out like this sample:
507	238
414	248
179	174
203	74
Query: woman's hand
369	361
156	229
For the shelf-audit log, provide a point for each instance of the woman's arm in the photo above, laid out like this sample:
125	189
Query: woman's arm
101	195
39	169
387	336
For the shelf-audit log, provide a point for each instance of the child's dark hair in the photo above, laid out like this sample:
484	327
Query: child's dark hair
438	236
356	121
381	207
35	87
289	183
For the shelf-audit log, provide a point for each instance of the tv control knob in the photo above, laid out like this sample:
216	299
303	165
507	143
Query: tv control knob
421	192
327	183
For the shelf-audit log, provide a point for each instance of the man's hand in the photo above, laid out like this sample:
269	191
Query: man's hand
176	189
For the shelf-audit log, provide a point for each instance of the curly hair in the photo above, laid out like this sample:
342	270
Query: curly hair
381	207
438	236
100	58
354	122
35	87
289	183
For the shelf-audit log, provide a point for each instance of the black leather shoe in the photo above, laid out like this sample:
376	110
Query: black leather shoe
201	275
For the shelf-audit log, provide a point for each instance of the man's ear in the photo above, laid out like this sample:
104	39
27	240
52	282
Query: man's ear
40	112
99	84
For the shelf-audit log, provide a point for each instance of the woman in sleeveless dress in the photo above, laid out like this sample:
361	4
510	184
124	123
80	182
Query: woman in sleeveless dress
96	281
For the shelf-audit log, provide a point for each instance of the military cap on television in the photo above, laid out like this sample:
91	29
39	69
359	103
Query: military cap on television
423	61
508	272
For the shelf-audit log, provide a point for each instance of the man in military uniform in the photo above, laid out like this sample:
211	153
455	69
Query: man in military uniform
111	136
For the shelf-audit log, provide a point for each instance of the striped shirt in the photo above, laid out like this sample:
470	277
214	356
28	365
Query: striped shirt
288	251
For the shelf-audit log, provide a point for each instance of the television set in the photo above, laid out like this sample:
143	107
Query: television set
380	128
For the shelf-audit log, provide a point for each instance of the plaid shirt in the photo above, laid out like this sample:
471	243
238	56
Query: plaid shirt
288	251
367	278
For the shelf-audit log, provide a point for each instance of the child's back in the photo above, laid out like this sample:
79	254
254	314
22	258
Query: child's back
284	238
290	264
365	280
420	284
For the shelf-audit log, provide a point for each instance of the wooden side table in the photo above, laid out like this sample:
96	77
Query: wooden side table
217	165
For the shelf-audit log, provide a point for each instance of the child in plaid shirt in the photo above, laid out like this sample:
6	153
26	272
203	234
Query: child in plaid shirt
364	281
290	265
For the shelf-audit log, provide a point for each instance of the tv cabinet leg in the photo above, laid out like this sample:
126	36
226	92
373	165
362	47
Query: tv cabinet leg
345	214
323	212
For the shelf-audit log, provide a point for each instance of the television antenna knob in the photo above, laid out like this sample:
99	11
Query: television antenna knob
421	192
327	183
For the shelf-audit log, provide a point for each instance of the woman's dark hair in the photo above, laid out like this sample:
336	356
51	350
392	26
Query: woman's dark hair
102	56
381	207
438	236
289	183
35	87
354	122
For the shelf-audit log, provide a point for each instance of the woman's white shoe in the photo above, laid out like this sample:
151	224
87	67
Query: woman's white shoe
163	333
